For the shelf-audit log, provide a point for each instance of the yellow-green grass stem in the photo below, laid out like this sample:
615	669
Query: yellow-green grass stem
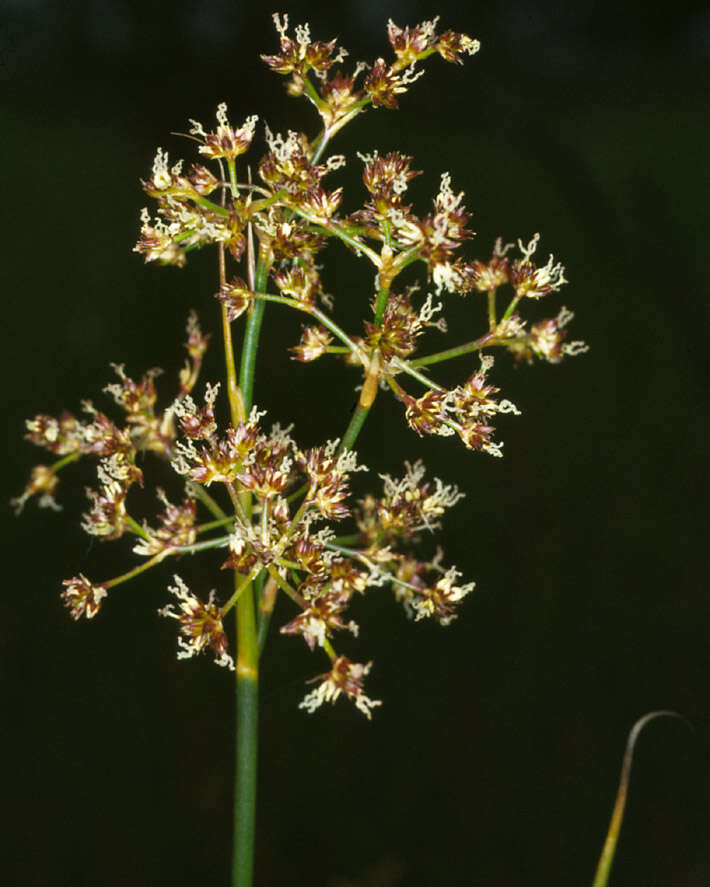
606	859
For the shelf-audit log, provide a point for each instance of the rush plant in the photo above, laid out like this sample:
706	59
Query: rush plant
281	516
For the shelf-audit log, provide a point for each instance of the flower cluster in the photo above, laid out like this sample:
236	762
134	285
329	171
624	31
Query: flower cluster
277	512
295	216
200	625
81	597
177	528
115	447
465	410
344	677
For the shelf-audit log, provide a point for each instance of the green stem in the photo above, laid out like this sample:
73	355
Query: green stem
486	340
213	524
205	545
251	338
263	588
511	307
381	304
312	95
357	420
66	460
284	586
136	571
268	200
492	309
368	392
247	723
406	367
136	528
247	696
356	109
241	586
211	206
319	145
341	232
264	623
313	311
352	539
199	492
236	404
232	167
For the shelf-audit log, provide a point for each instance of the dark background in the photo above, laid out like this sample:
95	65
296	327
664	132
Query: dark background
494	758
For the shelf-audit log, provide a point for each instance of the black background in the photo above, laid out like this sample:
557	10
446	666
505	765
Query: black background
494	758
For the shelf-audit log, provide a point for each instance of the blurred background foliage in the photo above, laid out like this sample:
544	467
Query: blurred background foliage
495	756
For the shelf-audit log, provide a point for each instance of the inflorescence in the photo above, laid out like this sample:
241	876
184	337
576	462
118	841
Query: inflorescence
271	506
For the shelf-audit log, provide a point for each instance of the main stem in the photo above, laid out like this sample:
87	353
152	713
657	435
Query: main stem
247	723
247	669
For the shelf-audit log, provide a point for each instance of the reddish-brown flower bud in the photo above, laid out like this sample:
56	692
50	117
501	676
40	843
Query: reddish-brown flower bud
427	414
321	618
81	597
530	280
202	179
288	164
196	346
409	43
157	245
314	343
299	282
236	297
177	528
298	56
386	178
226	141
293	241
383	85
61	436
344	677
107	517
241	557
43	482
200	625
451	46
340	98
